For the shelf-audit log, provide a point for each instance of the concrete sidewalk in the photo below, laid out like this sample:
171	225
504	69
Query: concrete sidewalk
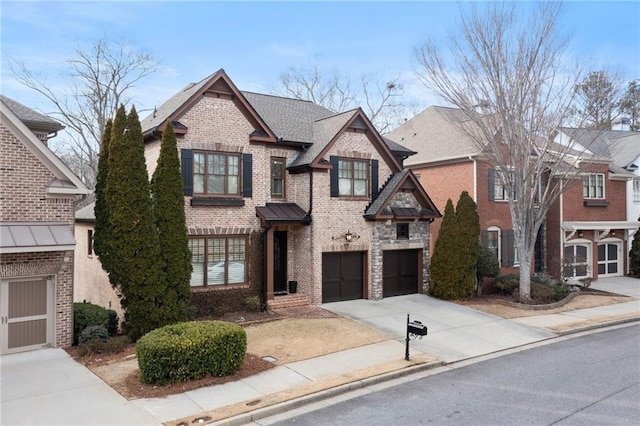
48	387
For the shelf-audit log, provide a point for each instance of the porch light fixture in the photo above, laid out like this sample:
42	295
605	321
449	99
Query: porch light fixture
580	234
613	233
347	236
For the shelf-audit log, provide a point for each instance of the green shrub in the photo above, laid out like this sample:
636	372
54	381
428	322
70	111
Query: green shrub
112	324
191	350
93	332
507	284
85	315
560	291
252	303
113	345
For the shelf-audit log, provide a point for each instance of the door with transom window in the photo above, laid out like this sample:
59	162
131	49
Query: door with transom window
576	262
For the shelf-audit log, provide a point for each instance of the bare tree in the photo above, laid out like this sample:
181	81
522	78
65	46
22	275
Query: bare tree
98	78
379	98
598	97
505	69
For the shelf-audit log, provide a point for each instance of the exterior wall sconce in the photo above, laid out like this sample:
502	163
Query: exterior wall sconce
347	236
580	234
613	233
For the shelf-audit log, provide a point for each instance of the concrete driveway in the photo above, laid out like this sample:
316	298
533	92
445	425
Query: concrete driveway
455	332
47	387
619	285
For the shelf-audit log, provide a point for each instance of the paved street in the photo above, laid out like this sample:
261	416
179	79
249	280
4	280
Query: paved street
588	380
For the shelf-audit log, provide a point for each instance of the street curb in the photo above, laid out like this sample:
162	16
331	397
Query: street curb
596	326
261	413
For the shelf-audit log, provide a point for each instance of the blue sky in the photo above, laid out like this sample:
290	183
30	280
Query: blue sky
255	42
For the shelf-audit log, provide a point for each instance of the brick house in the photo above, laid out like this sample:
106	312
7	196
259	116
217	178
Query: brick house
36	241
583	223
280	190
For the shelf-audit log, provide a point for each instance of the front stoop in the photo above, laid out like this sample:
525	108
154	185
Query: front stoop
288	301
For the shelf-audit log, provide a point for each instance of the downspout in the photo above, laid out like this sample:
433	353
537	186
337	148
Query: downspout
475	178
310	192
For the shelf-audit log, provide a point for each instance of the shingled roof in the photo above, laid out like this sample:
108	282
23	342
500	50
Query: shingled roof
286	120
32	119
435	135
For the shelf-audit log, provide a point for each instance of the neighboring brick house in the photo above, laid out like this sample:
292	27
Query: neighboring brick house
37	194
596	228
448	162
322	192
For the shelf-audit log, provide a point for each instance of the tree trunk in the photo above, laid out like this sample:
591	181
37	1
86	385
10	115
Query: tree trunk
525	275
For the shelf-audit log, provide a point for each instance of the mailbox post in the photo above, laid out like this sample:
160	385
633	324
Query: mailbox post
415	329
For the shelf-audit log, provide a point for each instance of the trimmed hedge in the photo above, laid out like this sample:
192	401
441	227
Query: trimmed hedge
191	350
85	315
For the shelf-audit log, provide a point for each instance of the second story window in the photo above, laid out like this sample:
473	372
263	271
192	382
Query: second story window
216	173
402	231
277	177
593	185
497	191
636	190
353	178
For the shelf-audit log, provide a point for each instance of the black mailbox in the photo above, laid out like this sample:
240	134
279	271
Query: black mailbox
417	328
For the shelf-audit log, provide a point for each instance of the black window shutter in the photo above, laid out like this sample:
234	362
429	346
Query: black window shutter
507	247
492	185
374	180
333	177
186	168
247	175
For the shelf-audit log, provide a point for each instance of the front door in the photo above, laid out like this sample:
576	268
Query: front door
280	262
26	314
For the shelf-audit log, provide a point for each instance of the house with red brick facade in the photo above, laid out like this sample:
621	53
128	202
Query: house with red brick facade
282	191
37	199
585	232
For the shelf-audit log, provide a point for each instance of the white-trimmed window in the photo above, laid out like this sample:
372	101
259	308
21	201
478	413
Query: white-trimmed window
502	243
593	185
576	261
497	191
218	260
636	190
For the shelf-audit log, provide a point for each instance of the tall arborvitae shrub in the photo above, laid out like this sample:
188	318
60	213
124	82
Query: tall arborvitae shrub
134	249
101	231
168	207
468	230
634	254
445	273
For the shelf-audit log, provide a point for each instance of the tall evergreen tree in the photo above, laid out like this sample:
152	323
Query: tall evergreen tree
468	230
634	254
133	242
168	206
445	272
101	231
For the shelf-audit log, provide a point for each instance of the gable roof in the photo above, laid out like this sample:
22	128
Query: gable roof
404	180
217	84
435	135
65	181
328	130
277	119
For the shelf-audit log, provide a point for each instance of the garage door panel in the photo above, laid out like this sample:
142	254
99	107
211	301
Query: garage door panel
400	272
342	276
